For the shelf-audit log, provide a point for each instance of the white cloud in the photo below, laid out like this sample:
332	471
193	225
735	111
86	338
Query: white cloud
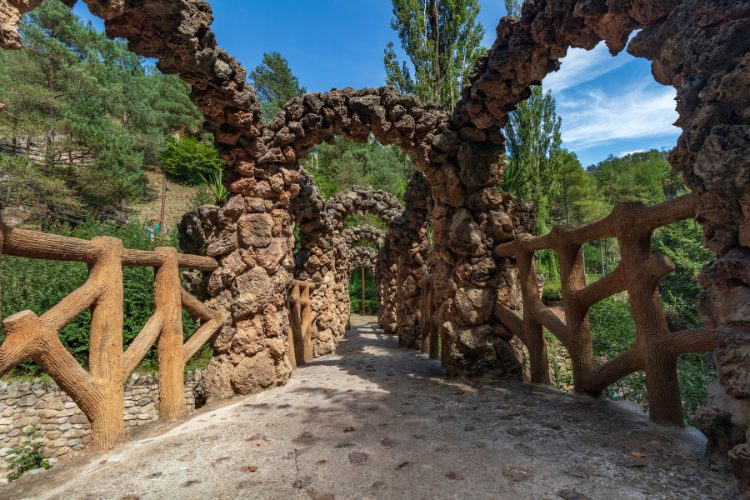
595	118
581	66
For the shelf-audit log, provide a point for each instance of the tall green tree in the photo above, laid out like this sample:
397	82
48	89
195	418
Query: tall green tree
578	199
441	39
534	144
635	177
343	164
275	84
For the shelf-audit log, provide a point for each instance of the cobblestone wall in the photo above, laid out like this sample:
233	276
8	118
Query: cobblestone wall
64	428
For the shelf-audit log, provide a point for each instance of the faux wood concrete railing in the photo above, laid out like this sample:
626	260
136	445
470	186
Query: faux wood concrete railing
300	322
99	392
655	349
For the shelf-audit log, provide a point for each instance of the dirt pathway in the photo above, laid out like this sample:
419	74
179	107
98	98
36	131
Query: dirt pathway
375	421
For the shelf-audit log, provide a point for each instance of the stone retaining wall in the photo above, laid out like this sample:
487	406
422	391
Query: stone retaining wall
63	425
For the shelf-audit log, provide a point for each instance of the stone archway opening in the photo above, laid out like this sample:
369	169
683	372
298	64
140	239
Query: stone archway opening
460	157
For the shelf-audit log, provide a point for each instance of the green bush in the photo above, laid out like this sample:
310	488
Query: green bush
355	292
38	285
551	292
190	161
371	306
26	457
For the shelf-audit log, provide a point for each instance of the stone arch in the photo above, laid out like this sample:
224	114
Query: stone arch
359	201
461	159
405	256
330	297
366	257
461	165
364	232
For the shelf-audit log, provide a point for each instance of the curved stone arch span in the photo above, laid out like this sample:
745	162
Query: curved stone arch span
363	233
363	257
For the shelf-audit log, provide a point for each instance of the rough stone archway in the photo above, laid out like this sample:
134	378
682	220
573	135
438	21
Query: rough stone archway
405	261
700	48
331	302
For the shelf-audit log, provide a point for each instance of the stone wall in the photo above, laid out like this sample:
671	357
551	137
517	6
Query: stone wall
63	425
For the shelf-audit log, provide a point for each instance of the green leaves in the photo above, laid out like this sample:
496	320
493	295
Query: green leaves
441	39
190	161
27	456
73	89
534	150
343	164
215	183
275	84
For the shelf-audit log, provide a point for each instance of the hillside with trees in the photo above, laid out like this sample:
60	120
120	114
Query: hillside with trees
96	114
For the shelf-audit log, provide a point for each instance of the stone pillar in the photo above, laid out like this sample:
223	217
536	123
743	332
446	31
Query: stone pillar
253	240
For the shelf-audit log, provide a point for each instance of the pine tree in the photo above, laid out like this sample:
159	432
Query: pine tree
73	89
275	84
442	40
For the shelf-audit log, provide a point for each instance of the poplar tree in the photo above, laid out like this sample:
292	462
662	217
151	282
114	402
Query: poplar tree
441	39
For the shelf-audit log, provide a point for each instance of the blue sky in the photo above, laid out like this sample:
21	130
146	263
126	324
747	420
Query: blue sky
608	105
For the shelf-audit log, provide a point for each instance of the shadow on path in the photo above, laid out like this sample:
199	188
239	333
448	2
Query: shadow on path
376	421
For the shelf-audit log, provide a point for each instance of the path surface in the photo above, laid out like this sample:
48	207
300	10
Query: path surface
375	421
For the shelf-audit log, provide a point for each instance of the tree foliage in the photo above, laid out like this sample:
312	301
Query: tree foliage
534	151
441	39
190	160
275	84
339	166
73	89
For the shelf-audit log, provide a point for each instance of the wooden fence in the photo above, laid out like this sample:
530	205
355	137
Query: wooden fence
300	321
655	349
99	391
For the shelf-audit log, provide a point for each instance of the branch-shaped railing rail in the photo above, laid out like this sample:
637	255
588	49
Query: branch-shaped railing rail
99	391
655	349
300	322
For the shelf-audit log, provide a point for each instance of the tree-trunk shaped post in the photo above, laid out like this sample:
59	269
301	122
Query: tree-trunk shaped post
306	321
167	295
300	321
105	345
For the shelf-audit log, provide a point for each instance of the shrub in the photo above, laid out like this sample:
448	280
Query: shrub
26	457
551	292
190	161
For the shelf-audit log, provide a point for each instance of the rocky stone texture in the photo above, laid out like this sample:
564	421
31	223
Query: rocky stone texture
408	247
63	426
362	257
325	257
364	232
700	48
